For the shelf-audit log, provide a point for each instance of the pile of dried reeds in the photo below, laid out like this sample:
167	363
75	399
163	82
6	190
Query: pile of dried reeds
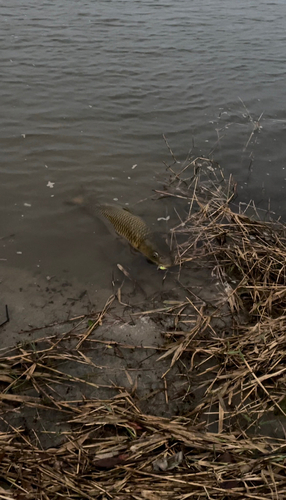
248	257
109	449
245	248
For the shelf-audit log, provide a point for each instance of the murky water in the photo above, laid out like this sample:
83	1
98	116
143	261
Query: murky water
87	90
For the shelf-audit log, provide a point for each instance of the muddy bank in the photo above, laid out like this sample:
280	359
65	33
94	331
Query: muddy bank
165	393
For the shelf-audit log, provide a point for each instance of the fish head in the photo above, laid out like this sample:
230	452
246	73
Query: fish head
155	248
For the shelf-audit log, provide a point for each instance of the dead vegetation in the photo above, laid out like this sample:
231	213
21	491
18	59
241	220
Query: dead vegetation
109	449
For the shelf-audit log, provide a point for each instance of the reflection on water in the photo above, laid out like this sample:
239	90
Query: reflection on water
88	89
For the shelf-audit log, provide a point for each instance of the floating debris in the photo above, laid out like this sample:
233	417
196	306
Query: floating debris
164	218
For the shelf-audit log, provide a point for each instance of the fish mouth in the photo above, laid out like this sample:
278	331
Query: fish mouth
155	248
163	264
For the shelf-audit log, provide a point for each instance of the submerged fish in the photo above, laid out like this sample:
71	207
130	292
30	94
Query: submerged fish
133	228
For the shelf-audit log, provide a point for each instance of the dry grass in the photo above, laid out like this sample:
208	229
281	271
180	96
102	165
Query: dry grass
109	449
112	450
244	249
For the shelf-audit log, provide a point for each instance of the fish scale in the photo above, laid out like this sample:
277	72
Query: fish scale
132	227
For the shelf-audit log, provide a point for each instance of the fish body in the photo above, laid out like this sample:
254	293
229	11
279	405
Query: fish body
133	228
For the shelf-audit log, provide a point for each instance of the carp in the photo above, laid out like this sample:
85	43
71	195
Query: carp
133	229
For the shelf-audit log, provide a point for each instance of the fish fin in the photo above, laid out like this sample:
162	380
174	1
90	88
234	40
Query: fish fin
76	201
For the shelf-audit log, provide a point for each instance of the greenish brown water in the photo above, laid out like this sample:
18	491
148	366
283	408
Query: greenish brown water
88	89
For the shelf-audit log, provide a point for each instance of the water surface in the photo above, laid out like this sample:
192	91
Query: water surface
87	90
